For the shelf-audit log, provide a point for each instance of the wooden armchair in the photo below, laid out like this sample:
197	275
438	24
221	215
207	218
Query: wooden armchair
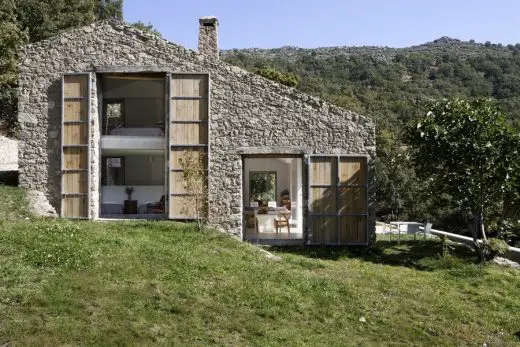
282	220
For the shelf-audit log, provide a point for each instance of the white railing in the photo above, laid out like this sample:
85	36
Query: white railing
514	252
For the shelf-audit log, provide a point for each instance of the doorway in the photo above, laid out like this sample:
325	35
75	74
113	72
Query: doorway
272	198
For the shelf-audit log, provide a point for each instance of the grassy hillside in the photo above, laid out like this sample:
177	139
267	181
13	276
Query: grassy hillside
87	283
392	85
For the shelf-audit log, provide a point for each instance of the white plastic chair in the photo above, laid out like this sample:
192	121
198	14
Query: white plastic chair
390	229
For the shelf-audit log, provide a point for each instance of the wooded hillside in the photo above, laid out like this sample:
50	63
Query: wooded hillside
393	85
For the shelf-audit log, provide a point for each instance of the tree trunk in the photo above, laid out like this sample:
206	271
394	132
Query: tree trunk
481	224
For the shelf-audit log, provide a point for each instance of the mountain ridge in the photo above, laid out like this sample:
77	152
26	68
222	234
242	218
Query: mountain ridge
394	85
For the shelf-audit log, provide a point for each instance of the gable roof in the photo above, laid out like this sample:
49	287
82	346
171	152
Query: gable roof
137	34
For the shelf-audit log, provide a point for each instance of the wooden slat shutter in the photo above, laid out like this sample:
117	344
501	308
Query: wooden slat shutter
75	148
188	132
338	206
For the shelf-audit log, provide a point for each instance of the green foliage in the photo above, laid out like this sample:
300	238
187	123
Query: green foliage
23	21
507	229
109	9
447	246
397	188
491	248
149	28
288	79
11	37
45	18
466	149
393	85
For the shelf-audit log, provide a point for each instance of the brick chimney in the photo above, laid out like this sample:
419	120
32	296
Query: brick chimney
208	36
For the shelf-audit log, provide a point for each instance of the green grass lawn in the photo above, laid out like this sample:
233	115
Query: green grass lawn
137	283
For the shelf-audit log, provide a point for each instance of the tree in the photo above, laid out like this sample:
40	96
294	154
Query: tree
147	27
11	38
397	189
109	9
195	181
45	18
466	149
288	79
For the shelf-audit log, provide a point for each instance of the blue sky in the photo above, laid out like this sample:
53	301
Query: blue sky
306	23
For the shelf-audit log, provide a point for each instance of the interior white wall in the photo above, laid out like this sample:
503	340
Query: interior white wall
143	194
288	175
296	190
144	170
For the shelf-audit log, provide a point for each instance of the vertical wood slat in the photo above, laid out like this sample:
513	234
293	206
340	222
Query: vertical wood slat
352	170
189	110
324	229
75	134
75	110
323	200
74	182
323	170
177	204
352	200
75	158
352	229
188	127
338	199
75	146
189	133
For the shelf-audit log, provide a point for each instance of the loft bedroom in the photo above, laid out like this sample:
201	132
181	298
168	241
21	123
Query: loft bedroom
133	145
133	114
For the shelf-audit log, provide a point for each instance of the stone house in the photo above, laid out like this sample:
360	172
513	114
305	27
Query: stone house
106	110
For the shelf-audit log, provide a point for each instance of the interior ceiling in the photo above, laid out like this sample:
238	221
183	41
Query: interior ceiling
135	76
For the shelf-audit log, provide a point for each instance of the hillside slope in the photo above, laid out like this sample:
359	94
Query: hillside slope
393	85
162	283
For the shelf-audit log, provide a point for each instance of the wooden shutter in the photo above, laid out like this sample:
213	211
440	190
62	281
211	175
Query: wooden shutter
75	148
338	206
188	132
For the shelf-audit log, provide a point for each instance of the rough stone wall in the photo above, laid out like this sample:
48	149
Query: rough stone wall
208	36
246	111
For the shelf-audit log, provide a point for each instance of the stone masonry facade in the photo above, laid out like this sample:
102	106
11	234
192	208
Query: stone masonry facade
248	113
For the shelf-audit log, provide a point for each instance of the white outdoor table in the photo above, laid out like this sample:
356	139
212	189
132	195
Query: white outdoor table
412	228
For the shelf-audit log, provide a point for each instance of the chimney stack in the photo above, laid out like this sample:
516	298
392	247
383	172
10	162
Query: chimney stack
208	36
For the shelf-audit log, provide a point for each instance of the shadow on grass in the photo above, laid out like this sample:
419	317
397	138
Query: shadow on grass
421	255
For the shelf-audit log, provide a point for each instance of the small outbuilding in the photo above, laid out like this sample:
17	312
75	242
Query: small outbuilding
107	111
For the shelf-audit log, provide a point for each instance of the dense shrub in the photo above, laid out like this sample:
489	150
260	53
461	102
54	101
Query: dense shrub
507	230
491	248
